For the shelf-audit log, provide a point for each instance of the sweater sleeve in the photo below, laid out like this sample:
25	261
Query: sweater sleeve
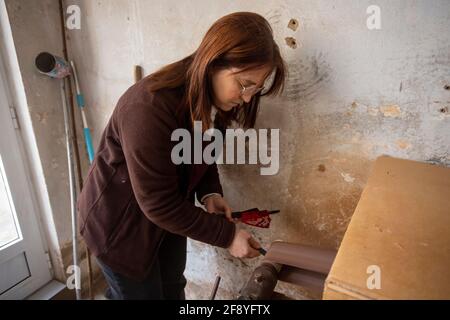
145	130
210	183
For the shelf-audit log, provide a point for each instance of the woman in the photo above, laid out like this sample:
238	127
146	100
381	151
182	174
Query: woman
137	207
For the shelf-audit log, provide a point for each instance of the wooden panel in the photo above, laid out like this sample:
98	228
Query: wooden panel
402	225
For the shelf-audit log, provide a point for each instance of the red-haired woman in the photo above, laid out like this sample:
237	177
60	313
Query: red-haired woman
137	207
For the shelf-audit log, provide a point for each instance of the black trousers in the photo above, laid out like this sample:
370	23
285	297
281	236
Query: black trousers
165	281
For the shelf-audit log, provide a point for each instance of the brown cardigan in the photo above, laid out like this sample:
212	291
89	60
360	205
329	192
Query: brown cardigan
134	193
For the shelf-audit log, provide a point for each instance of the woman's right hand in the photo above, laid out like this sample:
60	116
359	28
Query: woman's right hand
243	245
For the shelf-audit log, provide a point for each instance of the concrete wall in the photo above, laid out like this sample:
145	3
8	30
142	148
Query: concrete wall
352	95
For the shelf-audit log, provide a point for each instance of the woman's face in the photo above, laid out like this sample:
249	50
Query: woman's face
228	86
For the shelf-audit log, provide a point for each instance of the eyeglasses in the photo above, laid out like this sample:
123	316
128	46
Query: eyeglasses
250	90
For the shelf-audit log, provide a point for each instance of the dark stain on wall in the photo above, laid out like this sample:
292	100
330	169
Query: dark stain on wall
273	16
306	77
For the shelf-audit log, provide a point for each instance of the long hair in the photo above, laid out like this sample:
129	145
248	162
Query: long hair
242	40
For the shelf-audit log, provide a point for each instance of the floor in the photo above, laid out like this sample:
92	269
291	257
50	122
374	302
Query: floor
193	292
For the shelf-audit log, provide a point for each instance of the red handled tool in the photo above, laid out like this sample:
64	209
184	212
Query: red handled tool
254	217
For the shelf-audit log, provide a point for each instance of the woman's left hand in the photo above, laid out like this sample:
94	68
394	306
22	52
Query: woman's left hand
217	204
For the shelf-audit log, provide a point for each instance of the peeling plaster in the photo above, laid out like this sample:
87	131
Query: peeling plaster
347	177
392	111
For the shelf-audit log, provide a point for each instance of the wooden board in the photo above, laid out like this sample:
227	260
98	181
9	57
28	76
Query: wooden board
402	225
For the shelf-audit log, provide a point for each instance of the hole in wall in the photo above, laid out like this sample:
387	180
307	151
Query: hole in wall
293	24
291	42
